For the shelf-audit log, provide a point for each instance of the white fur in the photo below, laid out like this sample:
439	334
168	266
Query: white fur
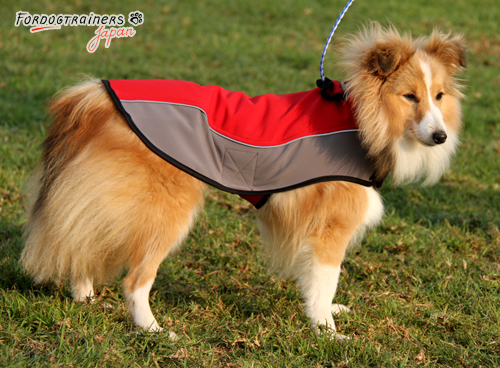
139	309
82	290
433	121
415	161
138	306
318	284
375	209
373	215
421	157
138	300
339	308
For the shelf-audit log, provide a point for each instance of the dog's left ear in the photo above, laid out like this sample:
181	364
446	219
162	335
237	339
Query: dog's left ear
450	51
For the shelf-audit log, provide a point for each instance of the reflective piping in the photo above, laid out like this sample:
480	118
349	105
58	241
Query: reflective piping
234	140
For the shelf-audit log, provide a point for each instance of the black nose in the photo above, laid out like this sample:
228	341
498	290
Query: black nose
439	137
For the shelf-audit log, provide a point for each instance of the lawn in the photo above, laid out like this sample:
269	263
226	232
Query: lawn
424	286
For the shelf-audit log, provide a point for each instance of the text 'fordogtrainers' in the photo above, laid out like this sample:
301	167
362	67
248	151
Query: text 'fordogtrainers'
114	22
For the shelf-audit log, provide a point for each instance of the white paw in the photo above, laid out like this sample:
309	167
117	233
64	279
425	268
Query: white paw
85	300
339	308
172	336
157	329
336	336
83	291
153	327
331	332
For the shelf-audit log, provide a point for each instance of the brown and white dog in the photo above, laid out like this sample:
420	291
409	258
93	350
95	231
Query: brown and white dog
105	202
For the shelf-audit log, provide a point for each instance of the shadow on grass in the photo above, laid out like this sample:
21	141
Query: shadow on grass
11	241
182	279
177	286
462	206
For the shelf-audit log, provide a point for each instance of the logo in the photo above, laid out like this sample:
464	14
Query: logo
136	18
115	22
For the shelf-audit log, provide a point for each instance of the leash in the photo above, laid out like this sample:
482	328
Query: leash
324	83
321	71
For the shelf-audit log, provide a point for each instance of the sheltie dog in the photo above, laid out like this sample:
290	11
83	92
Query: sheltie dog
104	202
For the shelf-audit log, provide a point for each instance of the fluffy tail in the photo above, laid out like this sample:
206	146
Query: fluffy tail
103	200
77	113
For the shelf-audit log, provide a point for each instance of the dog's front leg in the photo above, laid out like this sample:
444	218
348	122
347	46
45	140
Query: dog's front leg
318	283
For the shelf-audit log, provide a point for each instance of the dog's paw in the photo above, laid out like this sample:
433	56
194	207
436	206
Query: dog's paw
83	291
329	331
339	308
154	327
89	300
337	336
173	336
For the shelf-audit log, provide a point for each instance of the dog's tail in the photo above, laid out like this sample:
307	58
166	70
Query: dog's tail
78	115
75	112
103	199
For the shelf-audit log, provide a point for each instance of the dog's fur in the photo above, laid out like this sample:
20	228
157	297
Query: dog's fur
105	202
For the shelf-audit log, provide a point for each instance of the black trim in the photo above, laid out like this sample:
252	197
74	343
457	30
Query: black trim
201	177
263	201
377	184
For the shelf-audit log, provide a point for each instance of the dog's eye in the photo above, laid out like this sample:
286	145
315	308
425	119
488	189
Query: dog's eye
439	96
410	97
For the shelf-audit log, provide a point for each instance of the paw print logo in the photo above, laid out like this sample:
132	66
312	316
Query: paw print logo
136	18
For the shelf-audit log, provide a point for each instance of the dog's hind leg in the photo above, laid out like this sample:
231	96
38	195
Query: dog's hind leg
140	278
144	266
164	226
138	306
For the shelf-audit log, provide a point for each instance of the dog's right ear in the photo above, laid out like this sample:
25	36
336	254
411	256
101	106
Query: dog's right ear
385	58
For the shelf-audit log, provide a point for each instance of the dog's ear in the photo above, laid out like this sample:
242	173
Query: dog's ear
385	58
450	51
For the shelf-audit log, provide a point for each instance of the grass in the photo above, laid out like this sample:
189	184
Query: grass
424	286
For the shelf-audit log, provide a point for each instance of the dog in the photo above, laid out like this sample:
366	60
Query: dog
105	201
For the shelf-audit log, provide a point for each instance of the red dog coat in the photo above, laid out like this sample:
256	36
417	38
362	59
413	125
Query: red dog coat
251	146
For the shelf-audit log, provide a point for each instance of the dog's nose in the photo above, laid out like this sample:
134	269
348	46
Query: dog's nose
439	137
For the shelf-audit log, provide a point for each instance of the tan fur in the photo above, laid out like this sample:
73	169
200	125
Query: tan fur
320	223
105	202
380	112
443	82
114	204
366	87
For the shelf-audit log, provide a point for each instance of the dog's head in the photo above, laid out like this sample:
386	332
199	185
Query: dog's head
404	91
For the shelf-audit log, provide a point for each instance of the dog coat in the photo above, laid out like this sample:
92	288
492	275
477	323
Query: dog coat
250	146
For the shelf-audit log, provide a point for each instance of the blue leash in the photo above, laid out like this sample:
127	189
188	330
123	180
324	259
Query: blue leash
330	38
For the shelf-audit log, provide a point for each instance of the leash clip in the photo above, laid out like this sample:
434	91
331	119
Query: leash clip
327	89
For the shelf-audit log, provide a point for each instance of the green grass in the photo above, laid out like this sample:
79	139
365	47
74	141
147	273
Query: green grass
424	286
